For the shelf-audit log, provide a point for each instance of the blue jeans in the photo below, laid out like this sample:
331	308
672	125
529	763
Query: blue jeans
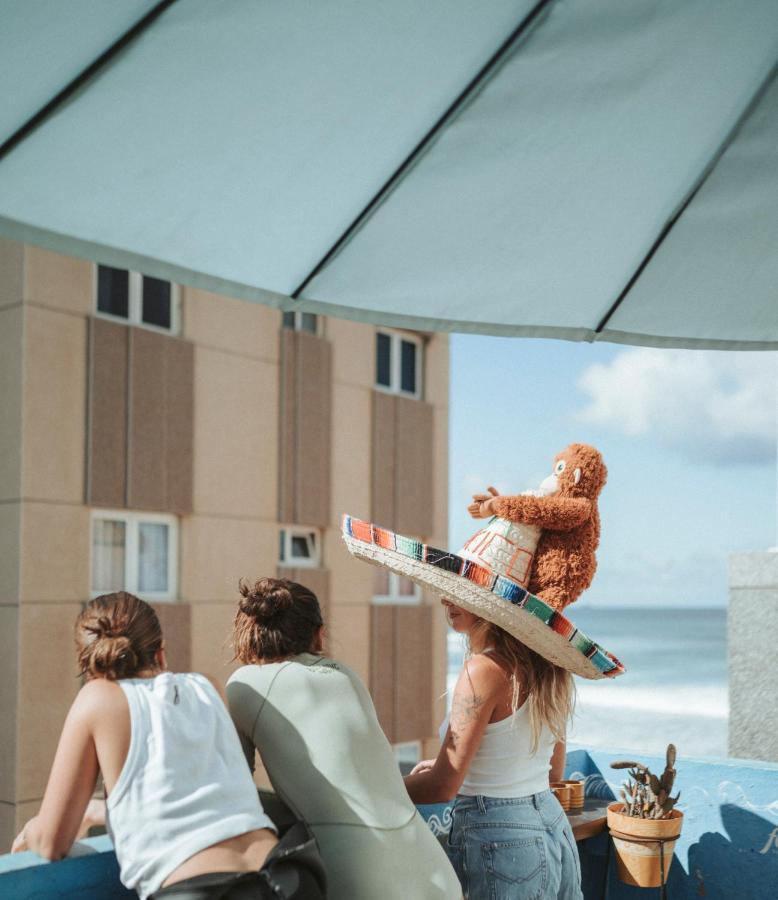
520	848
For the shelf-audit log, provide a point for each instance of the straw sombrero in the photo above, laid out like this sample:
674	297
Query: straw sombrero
485	578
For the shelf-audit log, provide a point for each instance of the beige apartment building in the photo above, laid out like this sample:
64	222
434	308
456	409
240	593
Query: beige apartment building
169	441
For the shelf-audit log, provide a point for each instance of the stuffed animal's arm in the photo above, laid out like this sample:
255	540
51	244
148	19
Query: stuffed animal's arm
552	513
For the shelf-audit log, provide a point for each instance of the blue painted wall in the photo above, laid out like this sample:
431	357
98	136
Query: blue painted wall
729	844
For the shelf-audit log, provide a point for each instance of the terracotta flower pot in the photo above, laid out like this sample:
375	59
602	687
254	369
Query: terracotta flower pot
640	863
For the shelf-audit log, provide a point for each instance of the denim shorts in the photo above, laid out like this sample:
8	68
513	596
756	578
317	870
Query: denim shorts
520	848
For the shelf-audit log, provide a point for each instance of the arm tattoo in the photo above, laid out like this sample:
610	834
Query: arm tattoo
464	710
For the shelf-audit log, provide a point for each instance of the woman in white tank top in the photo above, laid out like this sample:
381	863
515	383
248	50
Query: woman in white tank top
181	806
510	839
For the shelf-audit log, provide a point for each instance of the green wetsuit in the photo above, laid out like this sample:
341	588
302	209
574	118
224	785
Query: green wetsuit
315	727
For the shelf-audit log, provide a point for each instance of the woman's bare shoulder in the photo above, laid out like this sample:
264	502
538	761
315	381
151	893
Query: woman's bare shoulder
97	697
484	673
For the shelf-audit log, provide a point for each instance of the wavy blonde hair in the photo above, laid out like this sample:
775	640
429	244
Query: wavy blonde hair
549	690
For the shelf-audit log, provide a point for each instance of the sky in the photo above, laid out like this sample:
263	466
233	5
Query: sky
689	438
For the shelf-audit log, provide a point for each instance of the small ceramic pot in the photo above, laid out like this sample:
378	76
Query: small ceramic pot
576	793
563	793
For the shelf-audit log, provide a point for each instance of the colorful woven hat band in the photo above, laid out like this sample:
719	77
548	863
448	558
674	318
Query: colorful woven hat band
498	598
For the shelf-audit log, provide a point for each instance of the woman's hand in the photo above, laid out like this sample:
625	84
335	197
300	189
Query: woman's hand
482	506
424	766
20	843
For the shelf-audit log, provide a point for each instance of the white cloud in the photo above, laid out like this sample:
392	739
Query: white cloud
713	406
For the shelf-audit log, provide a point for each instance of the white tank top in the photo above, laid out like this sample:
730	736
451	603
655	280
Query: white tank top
504	764
185	784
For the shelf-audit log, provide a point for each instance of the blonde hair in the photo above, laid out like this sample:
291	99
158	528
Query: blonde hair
549	689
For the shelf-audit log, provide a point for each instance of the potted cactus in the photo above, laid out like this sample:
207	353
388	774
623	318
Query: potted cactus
644	824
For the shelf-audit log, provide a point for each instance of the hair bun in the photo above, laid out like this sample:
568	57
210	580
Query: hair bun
266	599
112	655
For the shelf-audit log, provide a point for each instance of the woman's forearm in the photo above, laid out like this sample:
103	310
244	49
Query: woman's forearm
429	787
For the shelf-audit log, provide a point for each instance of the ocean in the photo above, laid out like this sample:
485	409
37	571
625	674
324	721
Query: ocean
674	689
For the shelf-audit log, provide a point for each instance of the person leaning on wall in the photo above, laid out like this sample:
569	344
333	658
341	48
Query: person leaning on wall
181	808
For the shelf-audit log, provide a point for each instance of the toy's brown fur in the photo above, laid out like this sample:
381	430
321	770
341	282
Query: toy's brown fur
565	561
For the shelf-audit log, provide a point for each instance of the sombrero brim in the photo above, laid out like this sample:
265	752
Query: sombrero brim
481	592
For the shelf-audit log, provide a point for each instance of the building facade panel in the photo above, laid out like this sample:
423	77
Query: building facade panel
413	466
351	463
10	553
237	327
348	638
9	686
304	428
235	435
412	672
48	682
218	551
313	440
287	425
106	482
146	444
175	619
11	347
383	487
55	362
11	273
58	282
179	443
383	666
55	553
211	628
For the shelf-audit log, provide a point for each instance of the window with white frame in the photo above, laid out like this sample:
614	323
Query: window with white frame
389	587
299	547
138	299
135	552
398	362
301	321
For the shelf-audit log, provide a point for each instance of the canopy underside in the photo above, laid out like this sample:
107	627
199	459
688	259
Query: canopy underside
579	169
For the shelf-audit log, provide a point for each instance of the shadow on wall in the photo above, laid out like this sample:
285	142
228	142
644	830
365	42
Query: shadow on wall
727	849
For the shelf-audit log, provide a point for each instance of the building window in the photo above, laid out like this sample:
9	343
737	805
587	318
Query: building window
398	363
301	321
138	299
299	547
389	587
135	552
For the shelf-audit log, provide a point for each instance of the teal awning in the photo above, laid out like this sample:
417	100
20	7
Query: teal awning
583	169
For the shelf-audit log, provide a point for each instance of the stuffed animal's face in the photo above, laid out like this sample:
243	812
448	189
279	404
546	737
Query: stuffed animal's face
578	471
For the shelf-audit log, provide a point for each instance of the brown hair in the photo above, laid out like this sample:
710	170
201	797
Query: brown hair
549	689
117	636
275	619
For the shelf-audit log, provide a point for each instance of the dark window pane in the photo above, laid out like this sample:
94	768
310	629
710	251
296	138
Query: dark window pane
156	302
300	547
113	291
383	350
282	546
288	320
308	323
408	367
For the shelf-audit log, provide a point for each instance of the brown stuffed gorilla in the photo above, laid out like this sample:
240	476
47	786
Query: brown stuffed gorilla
564	562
